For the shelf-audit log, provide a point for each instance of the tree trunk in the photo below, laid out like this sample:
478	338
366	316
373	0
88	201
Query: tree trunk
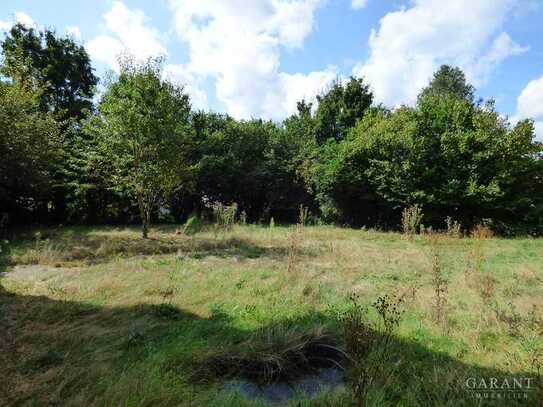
143	217
145	229
146	220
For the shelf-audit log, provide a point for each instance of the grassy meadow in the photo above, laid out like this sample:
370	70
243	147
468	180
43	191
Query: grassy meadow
101	317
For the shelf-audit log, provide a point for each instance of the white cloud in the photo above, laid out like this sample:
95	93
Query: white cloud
358	4
502	48
411	43
238	44
74	31
21	18
24	19
5	25
530	105
126	29
191	81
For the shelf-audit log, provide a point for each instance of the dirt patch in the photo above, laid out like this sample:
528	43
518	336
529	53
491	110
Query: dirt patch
38	272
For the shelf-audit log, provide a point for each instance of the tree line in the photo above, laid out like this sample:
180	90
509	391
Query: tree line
138	152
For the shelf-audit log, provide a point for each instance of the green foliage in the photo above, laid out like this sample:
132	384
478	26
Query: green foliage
449	81
61	66
143	133
448	154
340	108
344	159
411	220
30	147
193	225
224	215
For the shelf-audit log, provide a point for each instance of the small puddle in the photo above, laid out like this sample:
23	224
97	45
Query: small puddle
281	392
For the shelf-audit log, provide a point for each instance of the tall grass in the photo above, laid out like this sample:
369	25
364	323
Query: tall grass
367	343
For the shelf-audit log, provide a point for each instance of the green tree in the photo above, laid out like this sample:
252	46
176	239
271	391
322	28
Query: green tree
29	148
449	81
61	67
63	71
339	109
144	133
452	156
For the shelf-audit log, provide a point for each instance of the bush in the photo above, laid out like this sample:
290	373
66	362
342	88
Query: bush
193	225
224	215
411	219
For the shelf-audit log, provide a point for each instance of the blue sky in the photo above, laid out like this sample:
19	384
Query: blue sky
258	57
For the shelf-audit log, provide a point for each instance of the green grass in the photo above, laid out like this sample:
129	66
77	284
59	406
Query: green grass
98	316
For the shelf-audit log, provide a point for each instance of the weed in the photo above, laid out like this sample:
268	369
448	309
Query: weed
535	320
454	228
411	219
512	318
476	255
243	217
303	215
367	344
295	239
135	339
224	216
486	288
439	282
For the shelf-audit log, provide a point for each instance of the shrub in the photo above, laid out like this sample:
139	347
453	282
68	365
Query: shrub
193	225
224	216
411	219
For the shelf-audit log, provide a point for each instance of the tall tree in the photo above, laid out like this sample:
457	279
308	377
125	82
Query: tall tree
340	108
449	81
60	65
144	133
29	147
62	70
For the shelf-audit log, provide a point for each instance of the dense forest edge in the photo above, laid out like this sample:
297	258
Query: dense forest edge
137	152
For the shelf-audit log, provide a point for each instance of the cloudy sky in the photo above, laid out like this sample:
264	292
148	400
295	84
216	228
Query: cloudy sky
256	58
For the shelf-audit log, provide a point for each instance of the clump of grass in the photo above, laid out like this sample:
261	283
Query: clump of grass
411	220
454	228
166	311
193	225
279	353
367	344
224	216
42	361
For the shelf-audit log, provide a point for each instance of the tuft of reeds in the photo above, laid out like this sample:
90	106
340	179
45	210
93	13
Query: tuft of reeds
279	352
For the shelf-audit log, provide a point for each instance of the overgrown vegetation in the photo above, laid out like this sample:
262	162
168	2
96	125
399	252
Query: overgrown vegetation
142	153
167	319
99	316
